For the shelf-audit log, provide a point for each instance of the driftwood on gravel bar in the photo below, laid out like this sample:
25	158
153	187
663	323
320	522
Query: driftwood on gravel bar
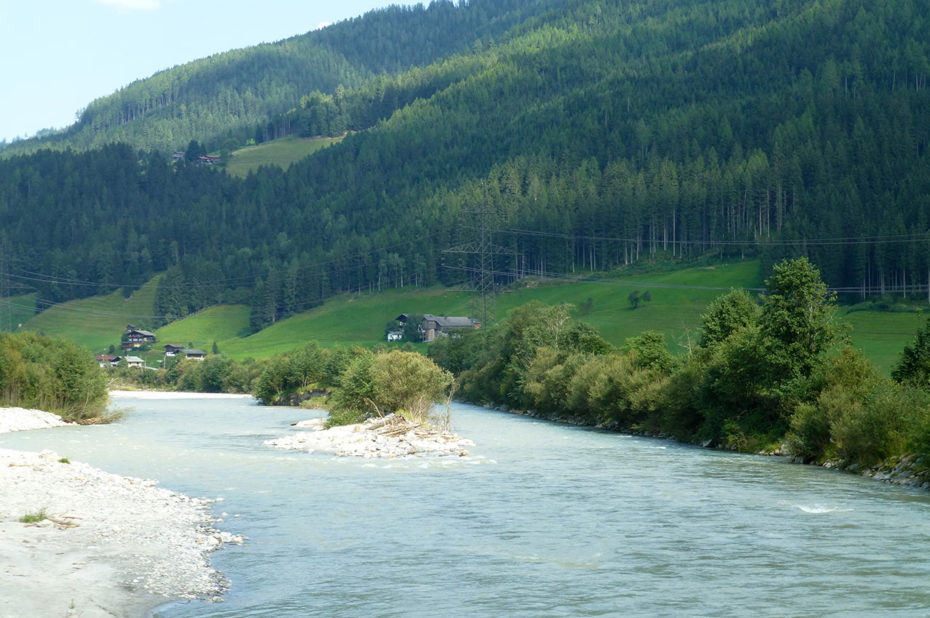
393	425
387	436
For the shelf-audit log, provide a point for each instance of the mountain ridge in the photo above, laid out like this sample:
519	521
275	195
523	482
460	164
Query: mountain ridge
594	137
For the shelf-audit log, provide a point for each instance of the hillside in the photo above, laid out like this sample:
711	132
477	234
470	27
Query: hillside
678	299
237	95
97	322
582	138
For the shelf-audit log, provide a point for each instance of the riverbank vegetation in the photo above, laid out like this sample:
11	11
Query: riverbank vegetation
764	376
50	374
352	383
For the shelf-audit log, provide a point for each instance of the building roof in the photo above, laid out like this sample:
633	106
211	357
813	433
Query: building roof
133	359
446	321
193	352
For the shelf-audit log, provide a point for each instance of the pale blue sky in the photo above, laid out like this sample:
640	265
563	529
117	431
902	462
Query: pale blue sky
56	56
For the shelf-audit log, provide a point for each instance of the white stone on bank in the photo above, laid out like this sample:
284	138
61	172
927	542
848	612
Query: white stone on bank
21	419
107	545
388	437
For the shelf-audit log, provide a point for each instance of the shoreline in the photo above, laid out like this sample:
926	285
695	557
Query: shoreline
176	395
78	541
904	471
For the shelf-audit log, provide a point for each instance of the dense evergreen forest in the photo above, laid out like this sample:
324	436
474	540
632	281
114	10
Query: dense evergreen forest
586	134
237	95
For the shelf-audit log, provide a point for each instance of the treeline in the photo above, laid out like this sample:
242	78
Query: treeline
762	375
245	93
52	374
585	138
353	384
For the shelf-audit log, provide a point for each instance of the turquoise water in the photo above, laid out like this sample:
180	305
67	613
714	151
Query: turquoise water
541	519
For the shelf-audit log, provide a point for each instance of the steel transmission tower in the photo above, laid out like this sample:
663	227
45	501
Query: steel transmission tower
6	317
484	251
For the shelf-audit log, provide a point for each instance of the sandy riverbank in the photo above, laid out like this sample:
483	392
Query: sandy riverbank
104	545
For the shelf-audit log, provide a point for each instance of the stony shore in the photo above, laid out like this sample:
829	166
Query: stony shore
78	541
389	437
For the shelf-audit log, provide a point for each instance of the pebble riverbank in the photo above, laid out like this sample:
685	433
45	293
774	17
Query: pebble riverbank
78	541
389	437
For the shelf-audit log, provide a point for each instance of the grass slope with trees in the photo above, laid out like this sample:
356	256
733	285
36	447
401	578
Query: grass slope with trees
244	94
762	377
679	296
588	135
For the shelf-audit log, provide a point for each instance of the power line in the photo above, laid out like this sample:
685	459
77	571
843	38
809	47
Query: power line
574	278
485	250
849	240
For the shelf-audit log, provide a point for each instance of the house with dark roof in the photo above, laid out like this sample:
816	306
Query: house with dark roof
433	325
136	337
172	349
194	354
107	361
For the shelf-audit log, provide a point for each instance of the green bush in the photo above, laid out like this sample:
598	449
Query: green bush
408	382
869	433
355	394
51	374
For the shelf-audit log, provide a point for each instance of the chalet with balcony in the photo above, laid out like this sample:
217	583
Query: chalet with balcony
136	337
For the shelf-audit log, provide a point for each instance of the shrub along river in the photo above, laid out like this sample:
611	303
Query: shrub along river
541	519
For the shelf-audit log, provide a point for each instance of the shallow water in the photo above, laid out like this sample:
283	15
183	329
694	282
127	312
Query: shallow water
541	519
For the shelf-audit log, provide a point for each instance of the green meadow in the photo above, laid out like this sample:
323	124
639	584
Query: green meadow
882	335
349	319
201	330
280	152
16	310
99	321
678	298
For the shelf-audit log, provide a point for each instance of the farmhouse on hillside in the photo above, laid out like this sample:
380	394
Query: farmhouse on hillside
136	337
433	325
174	349
107	361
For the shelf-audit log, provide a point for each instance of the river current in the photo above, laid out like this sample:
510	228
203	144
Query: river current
541	519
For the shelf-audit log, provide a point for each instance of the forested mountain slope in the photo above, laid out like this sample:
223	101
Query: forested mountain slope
592	137
236	94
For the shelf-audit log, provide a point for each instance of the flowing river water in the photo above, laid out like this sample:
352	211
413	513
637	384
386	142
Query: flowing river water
541	519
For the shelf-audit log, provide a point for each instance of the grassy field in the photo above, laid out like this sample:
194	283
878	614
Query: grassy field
882	335
201	330
678	300
97	322
347	320
16	310
281	152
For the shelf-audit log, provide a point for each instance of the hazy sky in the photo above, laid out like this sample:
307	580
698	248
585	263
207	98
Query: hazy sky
56	56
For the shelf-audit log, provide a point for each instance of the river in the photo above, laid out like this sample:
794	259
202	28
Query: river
542	519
